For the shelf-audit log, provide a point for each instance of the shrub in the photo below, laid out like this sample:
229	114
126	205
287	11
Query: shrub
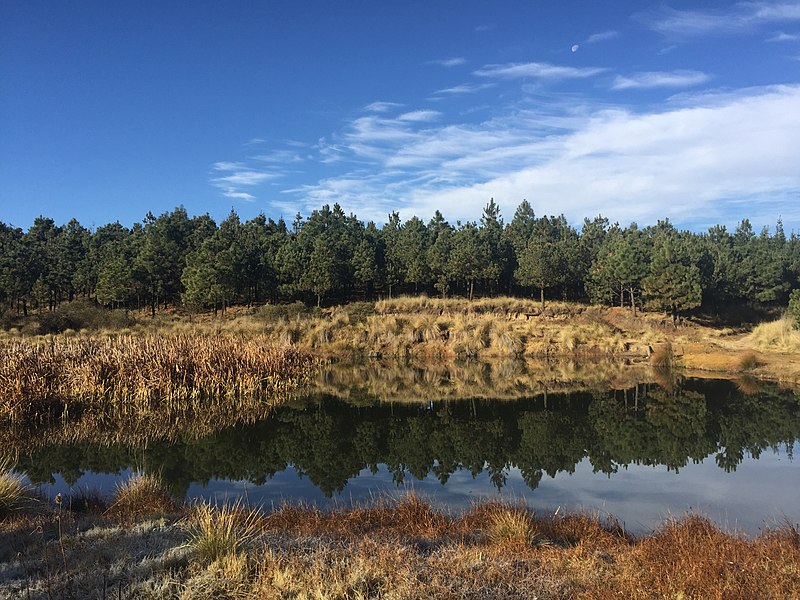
276	312
359	311
794	307
82	314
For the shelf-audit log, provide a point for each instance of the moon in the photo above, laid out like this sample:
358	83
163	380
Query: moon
575	47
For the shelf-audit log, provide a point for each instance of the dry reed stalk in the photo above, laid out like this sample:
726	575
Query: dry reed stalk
141	374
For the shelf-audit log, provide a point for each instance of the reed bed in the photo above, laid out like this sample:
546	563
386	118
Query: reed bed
125	374
394	548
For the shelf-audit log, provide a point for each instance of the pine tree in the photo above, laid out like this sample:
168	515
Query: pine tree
673	284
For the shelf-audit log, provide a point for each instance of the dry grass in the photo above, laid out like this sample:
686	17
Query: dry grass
217	533
663	356
781	336
15	494
748	361
143	374
142	495
512	525
399	549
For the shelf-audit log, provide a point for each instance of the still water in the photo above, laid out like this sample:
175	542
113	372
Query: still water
640	452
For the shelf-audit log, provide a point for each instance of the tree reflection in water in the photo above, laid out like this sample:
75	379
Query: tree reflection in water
331	437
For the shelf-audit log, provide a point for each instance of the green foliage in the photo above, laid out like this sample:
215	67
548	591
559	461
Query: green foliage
673	284
334	257
274	312
82	314
794	307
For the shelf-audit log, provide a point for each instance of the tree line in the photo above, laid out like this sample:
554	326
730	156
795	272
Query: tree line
331	256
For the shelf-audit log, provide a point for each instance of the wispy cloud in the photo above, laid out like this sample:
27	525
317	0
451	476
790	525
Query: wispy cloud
464	88
742	17
234	194
603	36
660	79
279	157
536	70
227	166
243	178
703	159
419	116
382	107
455	61
231	177
784	37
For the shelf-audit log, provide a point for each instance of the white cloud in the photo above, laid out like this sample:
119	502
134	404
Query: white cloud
703	159
536	70
742	17
279	156
382	107
464	88
246	178
237	195
227	166
601	37
420	115
455	61
784	37
656	79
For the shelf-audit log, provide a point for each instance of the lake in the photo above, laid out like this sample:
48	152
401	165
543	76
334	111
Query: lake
633	445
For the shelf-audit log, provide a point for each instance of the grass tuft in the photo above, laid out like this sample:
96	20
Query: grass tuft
216	533
663	356
15	494
748	361
512	525
142	495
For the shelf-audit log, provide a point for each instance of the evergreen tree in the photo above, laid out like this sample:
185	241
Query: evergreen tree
673	284
439	253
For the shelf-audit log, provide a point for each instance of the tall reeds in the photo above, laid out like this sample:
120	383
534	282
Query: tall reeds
140	374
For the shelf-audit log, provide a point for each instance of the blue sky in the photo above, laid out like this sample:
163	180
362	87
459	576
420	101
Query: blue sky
636	110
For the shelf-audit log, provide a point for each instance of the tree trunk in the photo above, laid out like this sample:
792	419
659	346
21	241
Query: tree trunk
471	288
319	300
633	301
541	295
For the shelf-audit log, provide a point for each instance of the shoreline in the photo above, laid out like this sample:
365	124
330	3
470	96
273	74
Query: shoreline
142	545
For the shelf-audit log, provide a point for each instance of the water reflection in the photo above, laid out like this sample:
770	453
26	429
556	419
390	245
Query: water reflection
373	424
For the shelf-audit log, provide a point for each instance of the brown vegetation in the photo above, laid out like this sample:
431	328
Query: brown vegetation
120	375
395	549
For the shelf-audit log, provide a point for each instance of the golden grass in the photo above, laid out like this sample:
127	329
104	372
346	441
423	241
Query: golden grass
748	361
400	549
663	356
15	494
510	525
141	374
781	335
141	495
217	533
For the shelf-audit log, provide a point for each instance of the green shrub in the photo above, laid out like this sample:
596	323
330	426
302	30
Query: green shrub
287	312
82	314
359	311
794	307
